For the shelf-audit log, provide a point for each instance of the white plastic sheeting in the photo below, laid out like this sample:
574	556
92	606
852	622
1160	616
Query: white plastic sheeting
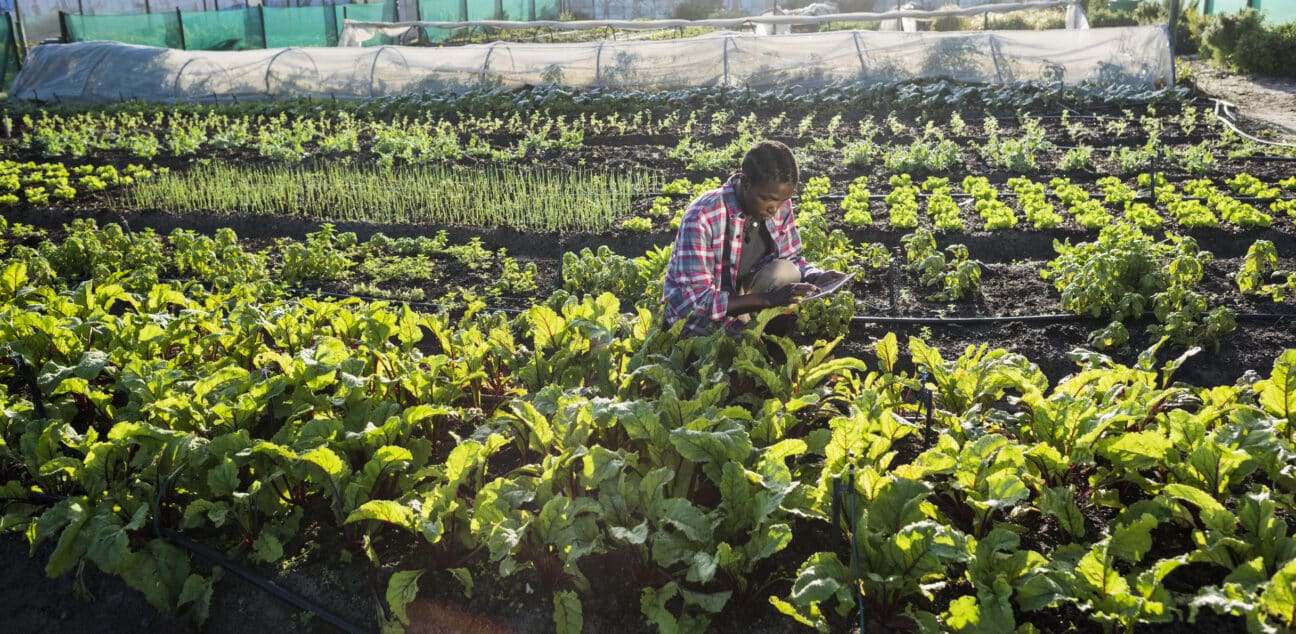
99	72
356	33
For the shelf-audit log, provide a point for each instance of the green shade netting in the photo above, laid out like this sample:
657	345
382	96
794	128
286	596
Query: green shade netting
8	55
229	30
300	26
440	11
148	29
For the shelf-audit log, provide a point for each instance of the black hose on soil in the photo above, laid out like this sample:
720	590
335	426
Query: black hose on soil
216	559
881	319
1031	319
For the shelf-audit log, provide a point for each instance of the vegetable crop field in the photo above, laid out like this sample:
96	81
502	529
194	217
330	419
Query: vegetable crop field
404	360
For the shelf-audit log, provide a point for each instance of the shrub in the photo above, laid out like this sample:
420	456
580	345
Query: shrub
1243	42
696	9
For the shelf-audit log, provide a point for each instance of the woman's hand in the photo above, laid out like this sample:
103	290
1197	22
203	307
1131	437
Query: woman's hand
790	294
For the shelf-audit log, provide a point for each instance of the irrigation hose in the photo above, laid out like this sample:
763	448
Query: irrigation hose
1220	104
1028	319
216	559
296	601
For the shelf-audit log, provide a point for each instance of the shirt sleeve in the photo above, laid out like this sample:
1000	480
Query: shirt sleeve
789	242
691	286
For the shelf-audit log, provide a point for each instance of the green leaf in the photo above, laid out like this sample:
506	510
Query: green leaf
735	497
767	542
545	324
712	602
1278	392
685	517
1139	448
810	617
159	571
636	535
1060	503
465	578
964	615
327	461
727	441
1100	577
702	567
71	546
389	511
1213	514
330	351
898	503
1279	597
197	590
821	577
1130	541
223	478
402	589
568	615
267	548
888	353
652	602
13	279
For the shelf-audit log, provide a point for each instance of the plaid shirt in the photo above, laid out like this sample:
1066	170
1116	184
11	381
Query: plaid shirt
698	284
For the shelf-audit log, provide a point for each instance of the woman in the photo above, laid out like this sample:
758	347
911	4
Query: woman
738	251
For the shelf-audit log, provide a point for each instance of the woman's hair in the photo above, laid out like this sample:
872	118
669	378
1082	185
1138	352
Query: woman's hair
769	162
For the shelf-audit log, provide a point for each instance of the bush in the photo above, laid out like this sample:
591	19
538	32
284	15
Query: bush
1244	43
1270	53
696	9
1188	30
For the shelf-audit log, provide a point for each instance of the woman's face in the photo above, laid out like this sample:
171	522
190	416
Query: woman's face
763	201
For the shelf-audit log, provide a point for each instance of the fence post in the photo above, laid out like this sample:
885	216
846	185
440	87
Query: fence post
261	10
726	59
180	21
860	53
148	7
64	31
21	33
13	38
1174	19
598	64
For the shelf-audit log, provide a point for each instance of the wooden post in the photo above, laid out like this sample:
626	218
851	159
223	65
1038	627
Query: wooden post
1174	20
21	34
64	31
148	8
80	7
13	48
180	21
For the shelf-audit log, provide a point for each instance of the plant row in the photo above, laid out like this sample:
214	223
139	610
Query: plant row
1022	143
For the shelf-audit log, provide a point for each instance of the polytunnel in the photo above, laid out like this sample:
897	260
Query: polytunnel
99	72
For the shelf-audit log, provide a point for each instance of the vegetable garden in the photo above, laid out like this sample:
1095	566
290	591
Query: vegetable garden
418	341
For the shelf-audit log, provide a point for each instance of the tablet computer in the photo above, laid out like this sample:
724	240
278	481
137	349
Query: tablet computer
829	289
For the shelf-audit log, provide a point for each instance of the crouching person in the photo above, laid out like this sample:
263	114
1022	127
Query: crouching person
738	251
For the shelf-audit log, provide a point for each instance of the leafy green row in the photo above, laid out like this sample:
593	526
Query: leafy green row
575	432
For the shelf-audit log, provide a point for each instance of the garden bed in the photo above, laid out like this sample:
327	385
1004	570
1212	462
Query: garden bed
529	331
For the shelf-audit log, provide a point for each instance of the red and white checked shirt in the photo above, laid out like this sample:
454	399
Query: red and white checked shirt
698	284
